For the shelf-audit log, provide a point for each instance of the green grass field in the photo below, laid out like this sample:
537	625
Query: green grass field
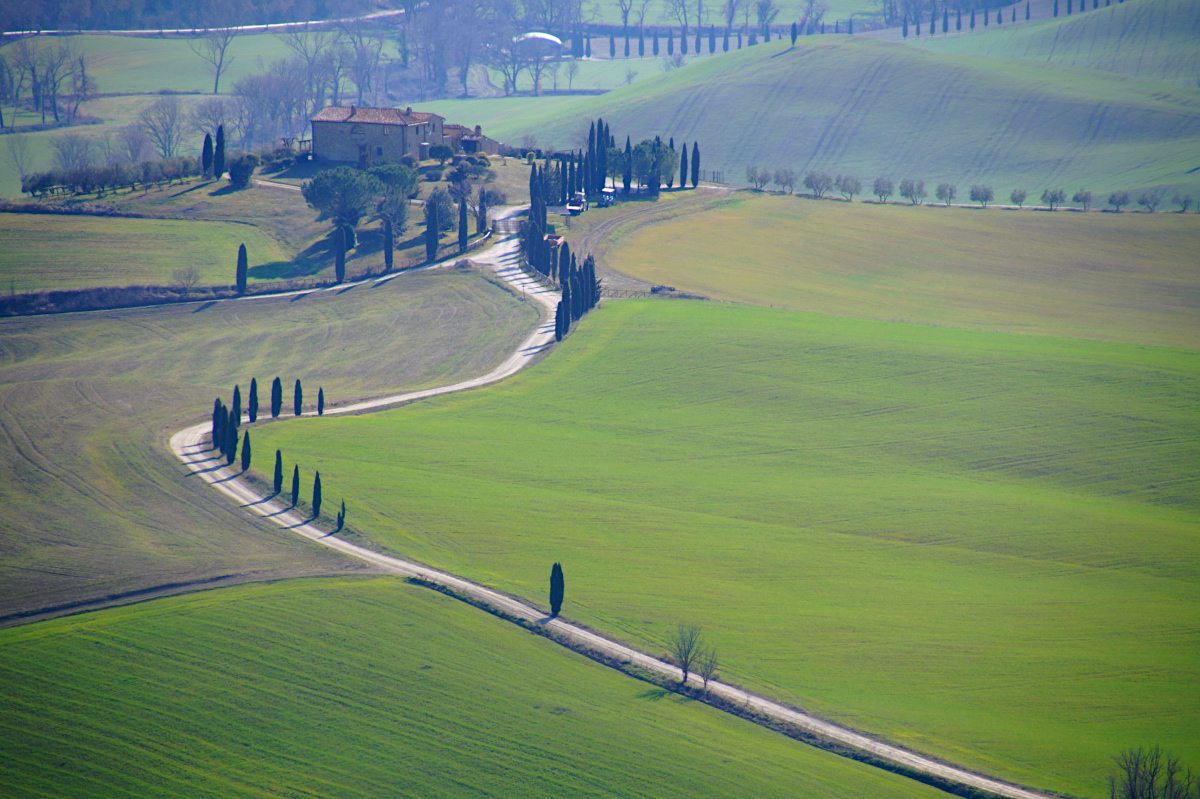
977	544
39	251
1150	39
95	504
1127	277
356	688
873	108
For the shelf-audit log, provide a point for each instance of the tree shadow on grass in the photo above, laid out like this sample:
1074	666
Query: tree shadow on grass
226	190
654	694
205	306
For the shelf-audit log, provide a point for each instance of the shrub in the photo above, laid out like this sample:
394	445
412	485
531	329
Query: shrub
241	170
433	175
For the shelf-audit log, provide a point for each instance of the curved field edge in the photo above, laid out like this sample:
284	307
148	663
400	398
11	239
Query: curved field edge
343	686
812	483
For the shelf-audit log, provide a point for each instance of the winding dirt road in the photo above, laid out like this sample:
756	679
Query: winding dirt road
502	257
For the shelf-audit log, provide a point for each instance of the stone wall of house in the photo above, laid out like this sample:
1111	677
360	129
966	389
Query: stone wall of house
344	141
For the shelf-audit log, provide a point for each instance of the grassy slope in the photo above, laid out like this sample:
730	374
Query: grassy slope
872	108
94	503
1151	39
356	688
894	524
1124	278
59	252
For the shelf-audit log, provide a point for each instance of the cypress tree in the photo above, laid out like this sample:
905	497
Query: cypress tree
252	401
1068	8
389	244
556	589
339	255
683	41
958	21
987	15
1027	9
654	47
670	41
295	485
793	34
276	398
627	44
216	417
558	322
278	482
683	167
231	441
905	26
241	269
850	26
946	19
206	155
589	175
973	19
564	260
739	40
431	232
567	302
221	442
316	499
321	401
246	451
462	225
612	46
341	517
699	33
237	405
1000	17
641	43
219	153
725	42
587	47
627	178
695	164
298	399
1056	8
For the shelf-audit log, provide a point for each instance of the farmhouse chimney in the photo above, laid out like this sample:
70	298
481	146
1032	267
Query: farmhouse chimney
479	130
408	111
353	109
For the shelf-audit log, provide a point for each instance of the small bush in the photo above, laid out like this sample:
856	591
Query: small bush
241	170
433	175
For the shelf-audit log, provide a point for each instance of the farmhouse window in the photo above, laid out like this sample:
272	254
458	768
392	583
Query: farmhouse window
387	130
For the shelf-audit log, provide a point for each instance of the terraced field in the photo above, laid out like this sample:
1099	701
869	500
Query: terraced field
890	524
345	687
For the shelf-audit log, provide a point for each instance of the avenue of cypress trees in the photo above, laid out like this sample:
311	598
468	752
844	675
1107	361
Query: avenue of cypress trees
206	155
219	153
389	244
431	232
298	399
316	500
231	441
558	322
462	225
557	587
321	401
278	482
246	451
252	401
683	166
276	398
695	164
242	264
295	484
339	255
237	406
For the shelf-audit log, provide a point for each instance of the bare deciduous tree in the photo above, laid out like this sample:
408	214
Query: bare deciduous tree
186	279
1151	773
209	114
162	123
706	667
730	11
767	11
134	143
19	155
685	645
73	151
213	49
572	71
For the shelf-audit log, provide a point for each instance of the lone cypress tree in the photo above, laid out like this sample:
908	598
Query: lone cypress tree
389	243
206	155
295	484
216	418
1027	9
321	401
339	255
431	232
236	411
341	518
683	166
695	164
612	46
793	34
219	153
276	398
278	482
462	225
252	400
246	451
242	265
298	399
316	500
557	587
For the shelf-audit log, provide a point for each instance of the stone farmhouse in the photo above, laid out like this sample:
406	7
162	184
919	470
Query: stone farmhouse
341	133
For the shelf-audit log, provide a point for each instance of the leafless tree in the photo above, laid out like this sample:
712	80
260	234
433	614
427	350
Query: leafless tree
758	177
19	155
310	50
1184	201
625	6
209	114
55	67
890	10
730	11
213	49
186	279
134	143
681	10
73	151
685	645
163	124
643	7
364	40
630	76
767	11
1151	773
818	183
572	71
707	666
813	11
83	85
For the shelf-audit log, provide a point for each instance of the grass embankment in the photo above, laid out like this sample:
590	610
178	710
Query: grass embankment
870	108
1150	39
95	503
1127	277
40	251
351	688
979	545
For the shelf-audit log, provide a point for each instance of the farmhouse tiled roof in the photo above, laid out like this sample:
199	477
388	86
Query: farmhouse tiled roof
373	116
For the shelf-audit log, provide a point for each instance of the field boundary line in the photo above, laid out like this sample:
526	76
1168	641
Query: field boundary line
190	447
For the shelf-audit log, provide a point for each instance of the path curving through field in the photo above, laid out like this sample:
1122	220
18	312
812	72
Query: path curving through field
502	258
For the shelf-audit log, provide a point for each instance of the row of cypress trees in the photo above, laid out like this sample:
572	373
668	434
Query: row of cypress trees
580	292
226	420
317	498
212	157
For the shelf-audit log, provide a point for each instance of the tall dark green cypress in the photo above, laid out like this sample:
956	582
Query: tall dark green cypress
316	497
567	301
321	401
278	482
712	40
219	153
1027	8
236	410
389	244
339	255
216	418
557	587
252	401
231	441
683	167
564	259
695	164
589	174
295	485
276	398
242	265
246	451
559	332
206	155
298	399
431	232
462	225
222	434
958	21
793	34
627	178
